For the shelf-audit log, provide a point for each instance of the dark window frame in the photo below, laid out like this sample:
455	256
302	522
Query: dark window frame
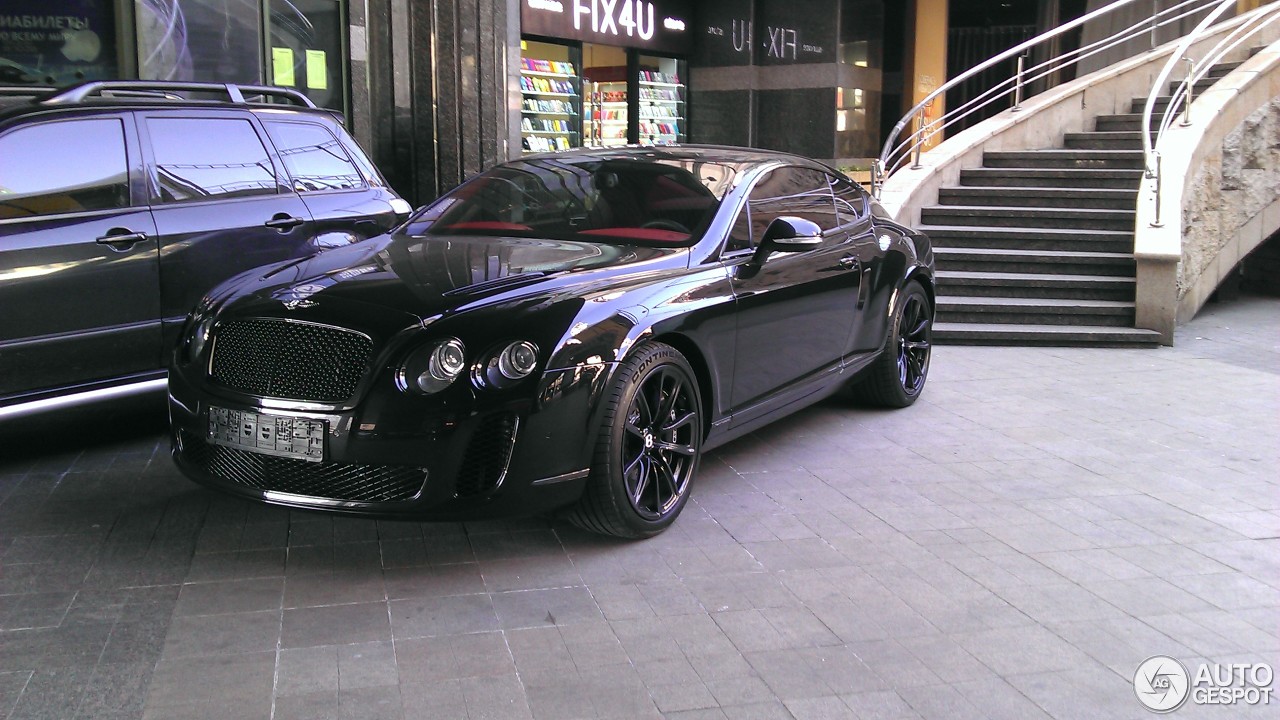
156	199
357	171
131	200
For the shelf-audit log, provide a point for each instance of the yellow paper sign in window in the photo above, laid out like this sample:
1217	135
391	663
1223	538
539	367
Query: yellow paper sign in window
282	66
317	72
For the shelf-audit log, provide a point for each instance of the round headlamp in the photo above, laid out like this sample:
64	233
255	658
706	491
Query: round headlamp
517	360
436	367
200	335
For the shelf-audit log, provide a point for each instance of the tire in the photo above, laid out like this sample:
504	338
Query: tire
897	377
645	457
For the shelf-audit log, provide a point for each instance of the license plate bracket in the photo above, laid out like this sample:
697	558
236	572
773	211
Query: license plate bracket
277	435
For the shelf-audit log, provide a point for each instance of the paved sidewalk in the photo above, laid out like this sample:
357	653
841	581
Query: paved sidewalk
1011	547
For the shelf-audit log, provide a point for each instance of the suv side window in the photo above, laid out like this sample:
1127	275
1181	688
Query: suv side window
313	156
63	167
206	158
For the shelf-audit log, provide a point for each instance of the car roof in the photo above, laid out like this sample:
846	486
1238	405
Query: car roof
706	153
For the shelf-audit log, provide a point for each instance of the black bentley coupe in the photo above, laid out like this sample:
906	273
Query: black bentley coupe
568	331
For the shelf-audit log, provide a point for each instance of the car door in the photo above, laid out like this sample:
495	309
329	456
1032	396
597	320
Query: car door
794	309
346	204
222	204
853	210
79	281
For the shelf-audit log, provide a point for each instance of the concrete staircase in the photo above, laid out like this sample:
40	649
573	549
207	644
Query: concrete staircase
1036	246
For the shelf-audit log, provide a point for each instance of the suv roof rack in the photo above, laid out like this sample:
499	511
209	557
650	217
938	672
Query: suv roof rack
24	90
167	89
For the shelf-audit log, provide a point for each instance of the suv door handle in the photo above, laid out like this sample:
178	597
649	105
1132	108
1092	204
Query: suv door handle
283	222
848	263
121	239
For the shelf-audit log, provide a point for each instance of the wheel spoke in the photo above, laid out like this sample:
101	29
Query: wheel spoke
680	422
634	429
643	409
668	476
916	346
687	450
643	480
626	472
669	399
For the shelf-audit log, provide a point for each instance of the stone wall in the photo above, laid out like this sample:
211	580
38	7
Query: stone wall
1228	193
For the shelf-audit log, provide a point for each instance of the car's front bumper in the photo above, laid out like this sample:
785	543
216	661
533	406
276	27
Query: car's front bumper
491	458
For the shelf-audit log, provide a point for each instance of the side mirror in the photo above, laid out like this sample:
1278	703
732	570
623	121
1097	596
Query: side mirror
788	233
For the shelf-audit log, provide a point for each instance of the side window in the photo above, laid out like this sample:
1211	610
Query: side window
63	167
314	157
792	191
740	234
851	201
207	158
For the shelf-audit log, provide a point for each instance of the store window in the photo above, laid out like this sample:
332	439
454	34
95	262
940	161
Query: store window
63	167
303	42
56	42
228	161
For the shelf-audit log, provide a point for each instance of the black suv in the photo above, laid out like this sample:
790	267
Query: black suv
122	202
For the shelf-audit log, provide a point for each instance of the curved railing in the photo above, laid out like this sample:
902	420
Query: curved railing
902	148
1181	99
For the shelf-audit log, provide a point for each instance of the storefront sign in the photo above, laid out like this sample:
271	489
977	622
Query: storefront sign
659	25
766	32
56	42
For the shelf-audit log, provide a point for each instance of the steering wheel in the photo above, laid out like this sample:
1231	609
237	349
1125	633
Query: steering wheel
662	224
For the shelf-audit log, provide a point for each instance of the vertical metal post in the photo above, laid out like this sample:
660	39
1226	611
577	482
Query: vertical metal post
877	179
1191	91
918	136
1155	25
1017	86
1157	222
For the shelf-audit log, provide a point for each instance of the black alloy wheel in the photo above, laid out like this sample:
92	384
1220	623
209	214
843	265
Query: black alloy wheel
914	343
897	377
648	448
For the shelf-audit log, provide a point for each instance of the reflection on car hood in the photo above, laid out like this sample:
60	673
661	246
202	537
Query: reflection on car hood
432	275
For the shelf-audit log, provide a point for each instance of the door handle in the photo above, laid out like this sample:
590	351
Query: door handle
284	223
848	263
121	239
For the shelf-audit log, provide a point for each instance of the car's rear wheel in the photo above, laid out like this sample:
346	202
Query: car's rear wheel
897	377
648	447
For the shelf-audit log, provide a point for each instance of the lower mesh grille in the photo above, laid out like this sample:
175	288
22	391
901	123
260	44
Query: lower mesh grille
485	463
327	480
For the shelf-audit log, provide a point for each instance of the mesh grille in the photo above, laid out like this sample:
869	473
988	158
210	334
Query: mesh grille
297	361
487	456
333	481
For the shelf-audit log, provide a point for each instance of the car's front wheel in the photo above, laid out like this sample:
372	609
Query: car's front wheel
648	447
897	377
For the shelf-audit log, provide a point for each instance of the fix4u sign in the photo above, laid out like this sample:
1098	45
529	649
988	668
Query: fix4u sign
663	26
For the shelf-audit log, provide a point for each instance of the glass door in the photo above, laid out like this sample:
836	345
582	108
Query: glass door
605	75
661	95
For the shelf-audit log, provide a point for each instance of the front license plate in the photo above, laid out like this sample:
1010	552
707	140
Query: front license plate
290	437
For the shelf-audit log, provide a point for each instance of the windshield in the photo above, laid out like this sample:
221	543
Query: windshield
623	201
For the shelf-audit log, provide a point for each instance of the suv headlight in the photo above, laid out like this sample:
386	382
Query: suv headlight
434	367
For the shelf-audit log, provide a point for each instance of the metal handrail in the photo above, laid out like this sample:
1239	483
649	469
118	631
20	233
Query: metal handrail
1182	95
896	153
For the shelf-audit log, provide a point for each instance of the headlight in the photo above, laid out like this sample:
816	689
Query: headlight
508	366
517	360
199	337
434	368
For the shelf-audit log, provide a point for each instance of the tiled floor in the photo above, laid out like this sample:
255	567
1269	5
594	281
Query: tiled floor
1011	547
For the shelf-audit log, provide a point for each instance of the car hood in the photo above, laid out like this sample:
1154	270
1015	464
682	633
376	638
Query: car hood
429	276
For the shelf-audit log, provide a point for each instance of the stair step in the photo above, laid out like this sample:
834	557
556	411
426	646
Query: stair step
1158	107
1081	198
1028	217
1035	311
1127	122
1035	285
1082	159
968	236
1051	178
1104	140
1042	335
1045	262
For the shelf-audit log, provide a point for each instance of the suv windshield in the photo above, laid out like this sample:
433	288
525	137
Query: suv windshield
622	200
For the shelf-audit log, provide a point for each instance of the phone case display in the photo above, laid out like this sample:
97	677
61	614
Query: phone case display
607	124
661	108
549	107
